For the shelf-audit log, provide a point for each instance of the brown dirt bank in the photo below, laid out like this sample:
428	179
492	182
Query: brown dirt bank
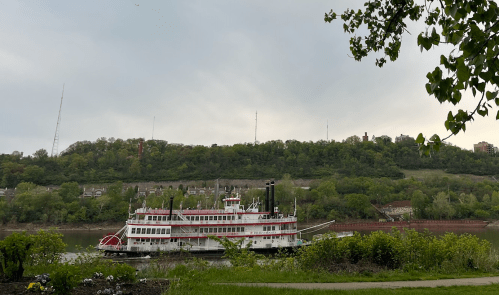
111	226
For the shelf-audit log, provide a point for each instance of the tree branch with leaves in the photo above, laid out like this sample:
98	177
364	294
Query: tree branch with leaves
470	27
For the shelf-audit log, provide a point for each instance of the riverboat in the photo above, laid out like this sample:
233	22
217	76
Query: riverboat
149	231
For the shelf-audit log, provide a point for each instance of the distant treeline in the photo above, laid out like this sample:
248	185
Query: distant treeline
338	198
110	160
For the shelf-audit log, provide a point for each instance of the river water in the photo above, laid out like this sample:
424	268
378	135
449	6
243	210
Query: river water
78	239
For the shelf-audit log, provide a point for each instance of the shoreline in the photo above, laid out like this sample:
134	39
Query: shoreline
115	226
33	227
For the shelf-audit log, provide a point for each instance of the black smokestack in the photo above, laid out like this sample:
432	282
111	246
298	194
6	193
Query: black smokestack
171	207
267	197
272	201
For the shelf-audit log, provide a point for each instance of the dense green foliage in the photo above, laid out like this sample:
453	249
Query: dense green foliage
468	31
376	257
339	198
410	251
105	161
236	254
20	251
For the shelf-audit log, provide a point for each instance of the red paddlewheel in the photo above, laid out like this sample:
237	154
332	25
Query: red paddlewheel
110	240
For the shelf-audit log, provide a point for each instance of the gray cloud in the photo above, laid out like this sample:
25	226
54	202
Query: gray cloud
202	69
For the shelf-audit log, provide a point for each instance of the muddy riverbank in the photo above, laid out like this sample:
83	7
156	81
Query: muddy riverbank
111	226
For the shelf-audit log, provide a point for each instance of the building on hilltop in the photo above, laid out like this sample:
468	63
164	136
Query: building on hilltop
484	147
365	138
402	137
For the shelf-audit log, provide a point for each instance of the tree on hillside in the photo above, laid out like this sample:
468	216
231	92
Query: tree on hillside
470	27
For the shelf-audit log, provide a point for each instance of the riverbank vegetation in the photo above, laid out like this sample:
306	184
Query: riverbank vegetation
375	257
378	256
338	198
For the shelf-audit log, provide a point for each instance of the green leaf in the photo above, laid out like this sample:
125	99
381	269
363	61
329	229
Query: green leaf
491	95
463	72
420	139
497	116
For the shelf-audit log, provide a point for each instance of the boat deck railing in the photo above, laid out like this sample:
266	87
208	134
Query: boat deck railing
213	222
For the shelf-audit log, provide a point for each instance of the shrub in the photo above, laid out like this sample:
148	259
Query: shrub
123	272
14	252
64	278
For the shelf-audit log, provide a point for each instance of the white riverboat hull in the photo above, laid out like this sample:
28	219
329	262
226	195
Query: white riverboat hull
150	231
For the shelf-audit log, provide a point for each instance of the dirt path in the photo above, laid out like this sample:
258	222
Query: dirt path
382	285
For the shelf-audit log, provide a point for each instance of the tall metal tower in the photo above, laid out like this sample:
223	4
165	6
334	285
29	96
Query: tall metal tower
55	145
256	124
327	130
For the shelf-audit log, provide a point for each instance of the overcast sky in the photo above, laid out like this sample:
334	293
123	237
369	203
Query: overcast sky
196	72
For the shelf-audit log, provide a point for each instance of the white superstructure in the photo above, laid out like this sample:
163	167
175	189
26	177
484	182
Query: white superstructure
151	230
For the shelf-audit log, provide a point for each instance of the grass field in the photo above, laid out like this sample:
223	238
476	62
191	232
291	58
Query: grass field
200	288
424	173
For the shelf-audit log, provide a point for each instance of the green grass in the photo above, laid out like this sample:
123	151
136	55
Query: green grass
198	278
256	275
202	288
424	173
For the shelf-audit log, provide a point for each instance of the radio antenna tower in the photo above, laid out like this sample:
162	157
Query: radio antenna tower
154	119
256	124
327	130
55	145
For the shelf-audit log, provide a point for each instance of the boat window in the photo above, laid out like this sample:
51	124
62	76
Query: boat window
153	231
215	230
143	230
133	230
148	231
255	242
148	240
233	229
273	227
211	230
171	240
225	218
167	231
149	217
219	229
238	229
163	231
211	217
197	218
239	217
154	218
225	229
215	217
242	229
264	228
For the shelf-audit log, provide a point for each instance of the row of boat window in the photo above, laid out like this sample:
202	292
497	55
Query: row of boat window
212	217
268	238
192	218
162	241
150	231
207	230
268	228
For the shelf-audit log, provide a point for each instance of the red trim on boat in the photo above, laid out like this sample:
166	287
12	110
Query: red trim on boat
205	237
